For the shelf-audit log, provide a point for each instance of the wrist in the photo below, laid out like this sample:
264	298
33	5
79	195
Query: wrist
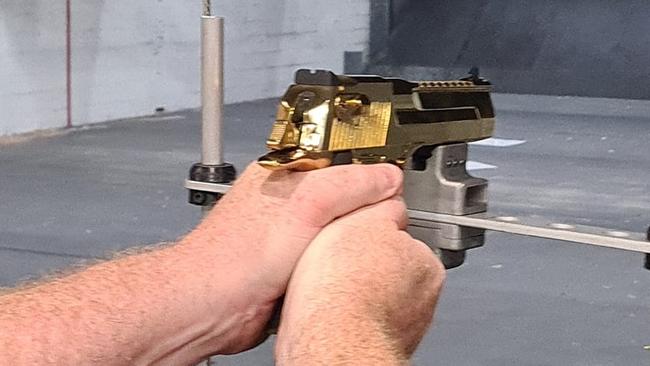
226	283
332	341
335	329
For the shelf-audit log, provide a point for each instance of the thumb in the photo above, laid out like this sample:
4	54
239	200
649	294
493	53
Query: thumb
388	212
339	190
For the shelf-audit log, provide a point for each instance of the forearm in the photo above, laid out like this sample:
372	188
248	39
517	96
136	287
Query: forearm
154	307
337	335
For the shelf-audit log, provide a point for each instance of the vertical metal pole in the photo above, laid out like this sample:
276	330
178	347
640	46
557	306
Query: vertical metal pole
68	63
207	7
212	89
211	96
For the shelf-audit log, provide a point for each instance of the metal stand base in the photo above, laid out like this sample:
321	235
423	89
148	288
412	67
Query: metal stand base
440	183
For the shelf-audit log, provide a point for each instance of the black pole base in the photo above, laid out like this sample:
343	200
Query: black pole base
647	256
224	173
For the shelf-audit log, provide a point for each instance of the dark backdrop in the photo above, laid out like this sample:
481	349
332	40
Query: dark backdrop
578	47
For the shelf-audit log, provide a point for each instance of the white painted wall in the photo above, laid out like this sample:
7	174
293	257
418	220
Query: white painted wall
131	57
32	65
268	40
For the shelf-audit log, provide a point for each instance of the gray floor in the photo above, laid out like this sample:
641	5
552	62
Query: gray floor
516	301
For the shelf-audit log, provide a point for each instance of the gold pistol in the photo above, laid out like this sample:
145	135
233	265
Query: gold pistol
326	119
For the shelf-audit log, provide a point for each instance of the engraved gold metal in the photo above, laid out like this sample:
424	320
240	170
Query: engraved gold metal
340	119
368	128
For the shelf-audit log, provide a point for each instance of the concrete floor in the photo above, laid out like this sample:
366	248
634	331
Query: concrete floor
517	301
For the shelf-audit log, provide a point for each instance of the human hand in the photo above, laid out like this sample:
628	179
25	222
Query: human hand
364	292
261	227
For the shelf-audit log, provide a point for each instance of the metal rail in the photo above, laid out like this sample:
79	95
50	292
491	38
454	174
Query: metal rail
540	228
536	227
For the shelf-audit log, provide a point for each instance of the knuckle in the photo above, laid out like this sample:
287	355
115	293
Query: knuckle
254	170
429	261
398	205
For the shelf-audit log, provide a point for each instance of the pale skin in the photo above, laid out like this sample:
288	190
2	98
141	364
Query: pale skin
213	292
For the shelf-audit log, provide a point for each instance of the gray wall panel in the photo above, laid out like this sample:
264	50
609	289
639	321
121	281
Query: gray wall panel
588	48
